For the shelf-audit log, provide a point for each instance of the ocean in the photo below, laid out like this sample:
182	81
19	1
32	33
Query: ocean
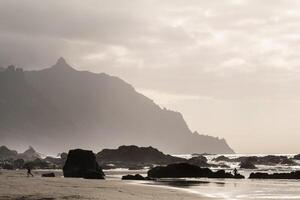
241	189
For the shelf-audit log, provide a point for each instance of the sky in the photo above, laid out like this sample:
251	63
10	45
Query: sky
231	67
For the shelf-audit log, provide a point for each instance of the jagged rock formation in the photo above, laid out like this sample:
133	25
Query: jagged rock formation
6	153
59	108
29	154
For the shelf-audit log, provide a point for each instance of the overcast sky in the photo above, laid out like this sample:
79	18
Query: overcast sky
232	67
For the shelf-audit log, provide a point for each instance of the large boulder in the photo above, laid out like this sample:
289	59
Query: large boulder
134	177
291	175
82	164
185	170
51	174
135	157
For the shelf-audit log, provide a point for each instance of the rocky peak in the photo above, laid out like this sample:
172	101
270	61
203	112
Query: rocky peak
61	64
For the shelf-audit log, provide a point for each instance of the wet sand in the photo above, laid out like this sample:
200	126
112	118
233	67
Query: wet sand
14	185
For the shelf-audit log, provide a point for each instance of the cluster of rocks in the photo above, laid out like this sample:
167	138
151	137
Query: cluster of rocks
291	175
136	177
249	162
134	157
11	159
185	170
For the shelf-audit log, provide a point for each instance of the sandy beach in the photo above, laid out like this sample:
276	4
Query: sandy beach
14	185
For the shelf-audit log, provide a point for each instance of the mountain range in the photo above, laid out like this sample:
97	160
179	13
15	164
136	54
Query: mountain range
60	108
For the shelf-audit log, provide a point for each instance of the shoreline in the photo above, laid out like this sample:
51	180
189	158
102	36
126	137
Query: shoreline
14	185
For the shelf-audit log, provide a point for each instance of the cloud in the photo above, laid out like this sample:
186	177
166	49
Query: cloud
176	50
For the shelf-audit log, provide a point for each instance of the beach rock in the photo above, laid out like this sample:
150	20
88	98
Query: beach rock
48	175
247	165
135	157
291	175
297	157
185	170
82	164
133	177
223	174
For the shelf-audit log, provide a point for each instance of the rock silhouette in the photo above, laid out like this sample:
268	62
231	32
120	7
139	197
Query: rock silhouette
291	175
135	157
256	160
48	175
185	170
133	177
82	164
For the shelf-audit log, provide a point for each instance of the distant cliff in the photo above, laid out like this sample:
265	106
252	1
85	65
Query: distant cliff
59	108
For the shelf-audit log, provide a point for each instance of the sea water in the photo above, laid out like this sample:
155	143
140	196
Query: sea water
241	189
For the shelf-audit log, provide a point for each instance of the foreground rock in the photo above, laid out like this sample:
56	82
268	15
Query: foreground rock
134	177
134	157
185	170
48	175
291	175
82	164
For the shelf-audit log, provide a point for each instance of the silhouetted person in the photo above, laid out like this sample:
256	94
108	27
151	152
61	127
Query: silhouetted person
235	172
29	172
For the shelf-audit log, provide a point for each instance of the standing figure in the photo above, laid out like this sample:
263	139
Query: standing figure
29	172
235	172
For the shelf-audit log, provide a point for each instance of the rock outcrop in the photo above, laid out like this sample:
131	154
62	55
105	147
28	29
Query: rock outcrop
296	157
134	157
185	170
48	175
291	175
134	177
82	164
256	160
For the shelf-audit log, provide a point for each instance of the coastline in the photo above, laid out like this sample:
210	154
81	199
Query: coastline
14	185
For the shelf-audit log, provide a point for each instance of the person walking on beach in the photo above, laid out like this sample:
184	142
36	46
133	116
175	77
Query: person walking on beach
29	172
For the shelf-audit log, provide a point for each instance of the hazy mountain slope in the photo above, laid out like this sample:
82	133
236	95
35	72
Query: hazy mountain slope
62	108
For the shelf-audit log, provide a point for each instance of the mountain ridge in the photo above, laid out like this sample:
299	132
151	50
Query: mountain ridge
68	108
